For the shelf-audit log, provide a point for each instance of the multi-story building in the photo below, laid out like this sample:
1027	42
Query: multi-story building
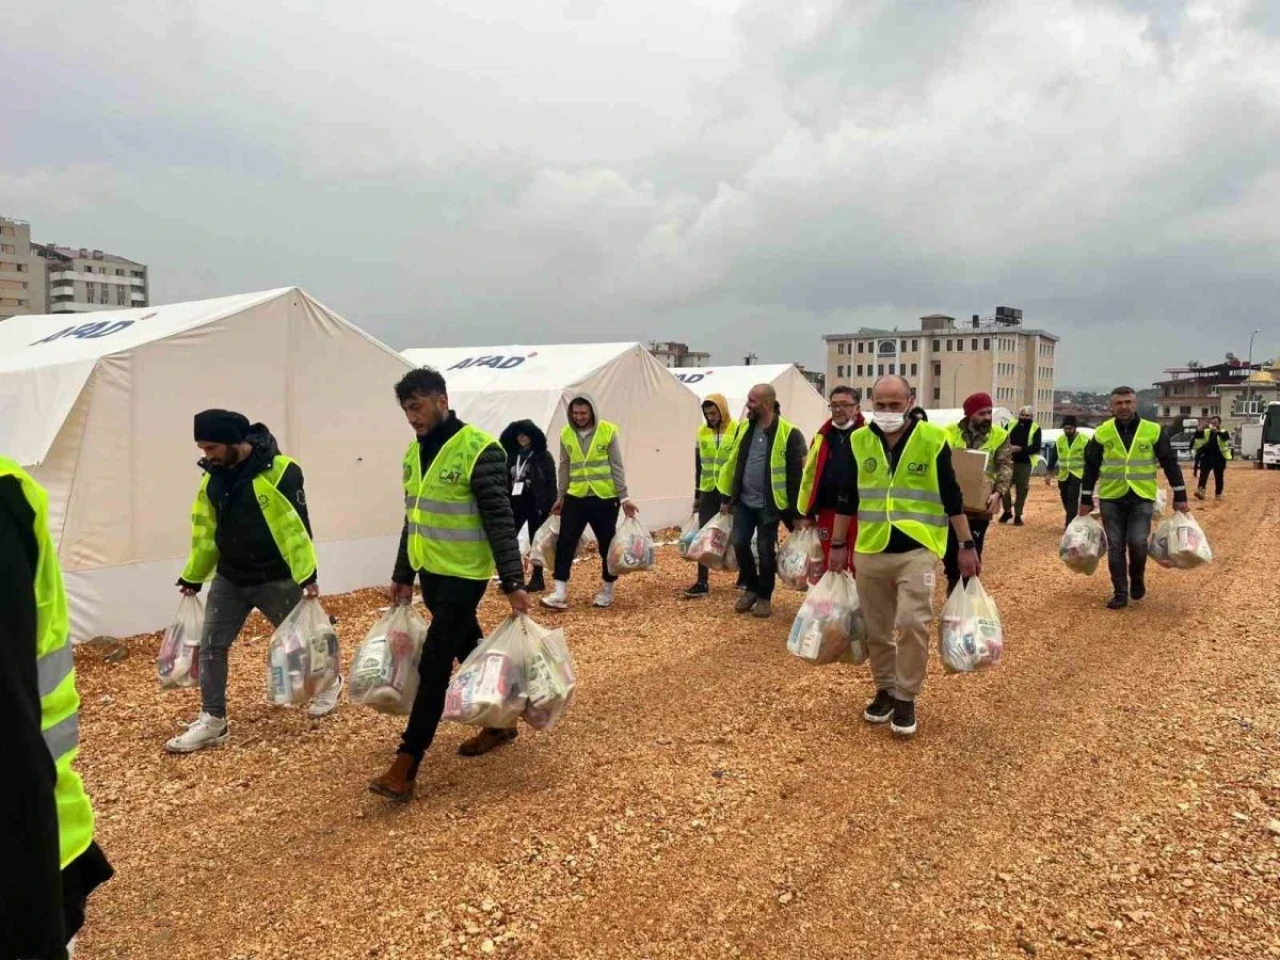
1235	391
82	280
672	354
21	287
817	377
947	362
1244	402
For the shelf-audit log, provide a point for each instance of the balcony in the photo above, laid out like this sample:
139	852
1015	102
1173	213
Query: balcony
66	289
139	298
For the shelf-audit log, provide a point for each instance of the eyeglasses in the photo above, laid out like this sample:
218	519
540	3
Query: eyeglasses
837	407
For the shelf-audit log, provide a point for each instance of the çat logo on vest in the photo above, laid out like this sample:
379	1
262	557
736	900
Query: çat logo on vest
869	464
451	475
87	331
496	361
917	469
408	473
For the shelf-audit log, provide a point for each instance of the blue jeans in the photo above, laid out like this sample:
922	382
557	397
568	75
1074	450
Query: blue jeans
763	523
1128	524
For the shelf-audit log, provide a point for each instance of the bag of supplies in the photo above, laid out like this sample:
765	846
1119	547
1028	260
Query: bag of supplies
712	542
542	547
1179	543
302	658
384	672
550	677
971	634
829	625
632	549
1083	545
178	664
489	689
688	533
800	560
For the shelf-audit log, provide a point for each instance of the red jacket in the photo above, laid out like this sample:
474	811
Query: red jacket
825	452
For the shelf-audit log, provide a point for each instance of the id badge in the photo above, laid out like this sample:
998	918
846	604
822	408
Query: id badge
517	488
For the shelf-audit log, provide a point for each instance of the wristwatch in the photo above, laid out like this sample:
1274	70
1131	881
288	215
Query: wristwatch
968	545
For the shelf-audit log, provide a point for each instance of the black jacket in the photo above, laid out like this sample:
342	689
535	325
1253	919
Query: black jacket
1027	436
540	476
247	553
1210	453
797	451
489	485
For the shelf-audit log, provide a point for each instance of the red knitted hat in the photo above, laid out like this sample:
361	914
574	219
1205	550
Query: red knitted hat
976	402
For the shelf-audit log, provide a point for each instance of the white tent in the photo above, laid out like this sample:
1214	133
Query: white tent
100	407
801	403
945	418
658	417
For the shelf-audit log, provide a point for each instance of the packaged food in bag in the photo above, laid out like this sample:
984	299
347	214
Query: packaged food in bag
970	631
713	541
542	548
302	658
632	549
800	560
384	672
1179	543
688	533
550	677
828	621
489	689
178	664
1083	545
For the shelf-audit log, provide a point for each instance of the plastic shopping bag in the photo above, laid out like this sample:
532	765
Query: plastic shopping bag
632	549
490	688
688	533
712	542
302	658
800	560
829	622
542	548
1162	503
384	672
1179	543
178	664
971	634
1083	545
550	677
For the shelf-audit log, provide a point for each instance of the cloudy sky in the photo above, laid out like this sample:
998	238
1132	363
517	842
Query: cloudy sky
743	175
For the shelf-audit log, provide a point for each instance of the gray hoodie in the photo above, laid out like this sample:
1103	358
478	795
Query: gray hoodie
585	439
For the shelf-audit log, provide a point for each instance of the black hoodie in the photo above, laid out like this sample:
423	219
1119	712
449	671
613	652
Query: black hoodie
540	475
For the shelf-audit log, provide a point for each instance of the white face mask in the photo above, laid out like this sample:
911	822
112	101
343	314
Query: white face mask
842	426
887	421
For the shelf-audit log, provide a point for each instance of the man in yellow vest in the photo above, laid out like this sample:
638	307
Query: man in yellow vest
1120	469
1212	448
251	535
459	531
904	492
49	862
1024	441
1066	457
976	431
709	457
592	487
765	471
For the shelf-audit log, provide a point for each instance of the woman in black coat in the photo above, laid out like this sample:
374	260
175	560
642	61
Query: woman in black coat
531	477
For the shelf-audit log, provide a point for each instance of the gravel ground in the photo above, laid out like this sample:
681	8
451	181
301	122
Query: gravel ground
1111	790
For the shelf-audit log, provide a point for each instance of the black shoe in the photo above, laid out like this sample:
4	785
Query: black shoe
1137	591
879	710
536	583
1006	517
1117	603
1017	522
699	589
904	718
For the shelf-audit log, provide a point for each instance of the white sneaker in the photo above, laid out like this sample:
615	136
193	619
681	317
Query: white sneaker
208	731
605	597
322	704
558	599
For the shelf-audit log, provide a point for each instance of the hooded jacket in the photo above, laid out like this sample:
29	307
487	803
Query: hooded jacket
540	475
725	423
247	553
585	439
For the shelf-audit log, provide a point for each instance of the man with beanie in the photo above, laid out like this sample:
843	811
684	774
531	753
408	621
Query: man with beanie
1067	457
250	534
709	457
827	467
1024	442
976	431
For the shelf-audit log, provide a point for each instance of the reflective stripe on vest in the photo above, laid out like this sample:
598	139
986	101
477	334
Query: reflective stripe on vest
590	473
995	439
55	676
446	533
909	498
1124	470
777	463
1071	456
713	452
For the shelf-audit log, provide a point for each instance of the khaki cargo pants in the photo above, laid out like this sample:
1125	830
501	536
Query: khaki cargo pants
896	591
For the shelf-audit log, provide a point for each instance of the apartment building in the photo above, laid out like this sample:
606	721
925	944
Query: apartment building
947	361
21	287
82	280
677	355
1234	390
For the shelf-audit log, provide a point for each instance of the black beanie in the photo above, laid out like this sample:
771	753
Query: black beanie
1069	420
221	426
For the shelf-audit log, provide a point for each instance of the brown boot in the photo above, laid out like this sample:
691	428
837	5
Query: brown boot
397	783
487	739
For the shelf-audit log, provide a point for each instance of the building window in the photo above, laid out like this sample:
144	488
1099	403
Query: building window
986	343
902	348
937	369
120	297
879	369
1184	411
88	289
119	273
937	346
937	392
974	345
860	346
8	248
914	370
915	345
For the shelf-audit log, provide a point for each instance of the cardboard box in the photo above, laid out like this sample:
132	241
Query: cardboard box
971	472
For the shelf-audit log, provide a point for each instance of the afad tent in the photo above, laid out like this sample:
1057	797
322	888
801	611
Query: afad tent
656	415
800	402
99	408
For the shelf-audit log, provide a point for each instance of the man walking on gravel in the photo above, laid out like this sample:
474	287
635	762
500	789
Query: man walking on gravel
709	457
251	534
1213	450
1066	456
827	465
458	530
1120	469
1024	441
976	431
903	490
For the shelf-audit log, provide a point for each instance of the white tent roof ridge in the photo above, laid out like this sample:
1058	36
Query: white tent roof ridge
616	349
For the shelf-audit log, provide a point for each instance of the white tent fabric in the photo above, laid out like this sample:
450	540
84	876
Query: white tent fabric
657	416
801	403
99	409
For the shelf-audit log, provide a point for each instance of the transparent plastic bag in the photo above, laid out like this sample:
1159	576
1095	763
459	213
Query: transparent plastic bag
1083	545
800	560
632	549
1162	503
178	664
713	542
1179	543
384	671
970	631
688	533
302	658
542	548
550	676
490	688
829	625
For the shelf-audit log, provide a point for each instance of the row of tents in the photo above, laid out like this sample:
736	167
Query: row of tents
98	407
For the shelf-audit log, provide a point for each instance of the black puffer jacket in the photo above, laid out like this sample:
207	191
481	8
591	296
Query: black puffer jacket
489	487
247	553
540	477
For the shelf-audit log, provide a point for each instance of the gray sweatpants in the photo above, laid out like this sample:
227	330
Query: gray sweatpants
228	608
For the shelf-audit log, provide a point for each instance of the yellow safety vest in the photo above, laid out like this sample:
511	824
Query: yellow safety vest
714	447
1071	456
56	677
1202	438
1124	470
995	439
777	462
908	498
733	436
446	533
286	526
590	473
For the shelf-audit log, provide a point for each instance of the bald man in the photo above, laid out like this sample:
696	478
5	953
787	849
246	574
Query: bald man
764	470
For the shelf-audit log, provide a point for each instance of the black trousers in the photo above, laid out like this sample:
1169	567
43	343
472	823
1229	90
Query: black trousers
951	559
1069	491
762	523
525	509
1218	468
576	514
453	634
708	507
